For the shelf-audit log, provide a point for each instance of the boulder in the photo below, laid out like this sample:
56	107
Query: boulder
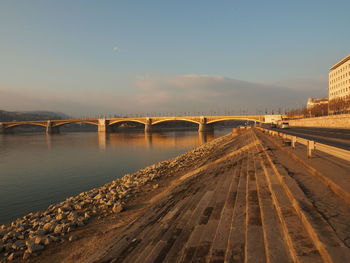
72	216
61	216
49	227
39	240
58	229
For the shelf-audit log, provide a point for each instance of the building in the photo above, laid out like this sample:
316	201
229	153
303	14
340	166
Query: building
314	102
339	80
273	118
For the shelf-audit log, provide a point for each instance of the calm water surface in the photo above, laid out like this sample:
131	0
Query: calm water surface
37	170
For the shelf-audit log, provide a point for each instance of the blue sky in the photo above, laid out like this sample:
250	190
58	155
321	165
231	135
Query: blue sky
100	57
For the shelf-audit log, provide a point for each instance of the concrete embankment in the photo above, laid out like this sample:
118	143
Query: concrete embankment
333	121
245	198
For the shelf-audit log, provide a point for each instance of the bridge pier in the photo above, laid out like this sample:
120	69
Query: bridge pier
52	129
204	126
148	125
103	126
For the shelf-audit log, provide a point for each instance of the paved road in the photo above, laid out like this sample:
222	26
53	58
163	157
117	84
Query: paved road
245	207
334	137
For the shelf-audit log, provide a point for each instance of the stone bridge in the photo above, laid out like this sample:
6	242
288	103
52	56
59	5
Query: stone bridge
106	124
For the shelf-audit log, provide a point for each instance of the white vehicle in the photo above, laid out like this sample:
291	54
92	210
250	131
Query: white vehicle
284	125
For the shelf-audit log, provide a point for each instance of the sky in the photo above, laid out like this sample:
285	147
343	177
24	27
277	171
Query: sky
87	58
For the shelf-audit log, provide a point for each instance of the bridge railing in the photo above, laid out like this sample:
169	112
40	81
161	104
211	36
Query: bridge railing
311	146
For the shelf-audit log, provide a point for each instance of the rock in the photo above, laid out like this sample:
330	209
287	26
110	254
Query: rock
39	240
26	255
61	216
77	207
18	244
8	247
72	216
87	216
98	196
3	232
54	239
80	223
46	241
11	257
117	208
49	227
73	238
32	248
40	232
58	229
155	186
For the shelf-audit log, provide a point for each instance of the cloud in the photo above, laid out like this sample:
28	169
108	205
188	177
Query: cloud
204	92
116	49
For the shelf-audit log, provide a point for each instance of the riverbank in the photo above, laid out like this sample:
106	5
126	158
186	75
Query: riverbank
32	234
245	198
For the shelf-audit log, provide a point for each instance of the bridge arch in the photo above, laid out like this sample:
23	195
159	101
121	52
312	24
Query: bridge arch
173	119
121	121
233	119
13	125
59	124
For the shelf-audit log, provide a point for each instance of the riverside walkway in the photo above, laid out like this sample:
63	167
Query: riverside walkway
251	205
245	201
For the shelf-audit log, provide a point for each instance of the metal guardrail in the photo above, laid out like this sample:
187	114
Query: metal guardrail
311	145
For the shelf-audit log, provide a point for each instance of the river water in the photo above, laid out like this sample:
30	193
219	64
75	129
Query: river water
37	170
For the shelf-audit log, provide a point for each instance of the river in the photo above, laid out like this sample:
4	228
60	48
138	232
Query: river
37	170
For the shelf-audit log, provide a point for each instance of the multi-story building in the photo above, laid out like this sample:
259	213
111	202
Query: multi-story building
314	102
339	79
339	85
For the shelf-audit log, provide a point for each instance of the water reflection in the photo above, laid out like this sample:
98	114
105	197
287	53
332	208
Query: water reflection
102	141
49	141
155	139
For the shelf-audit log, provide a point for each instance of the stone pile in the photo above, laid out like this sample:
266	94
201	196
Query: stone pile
30	234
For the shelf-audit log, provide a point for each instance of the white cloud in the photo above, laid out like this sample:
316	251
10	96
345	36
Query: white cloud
116	49
205	92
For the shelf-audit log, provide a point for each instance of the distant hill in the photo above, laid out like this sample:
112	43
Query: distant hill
31	115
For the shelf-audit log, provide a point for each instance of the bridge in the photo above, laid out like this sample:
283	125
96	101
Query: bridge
106	124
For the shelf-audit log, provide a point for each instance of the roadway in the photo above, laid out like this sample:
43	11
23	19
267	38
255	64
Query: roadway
334	137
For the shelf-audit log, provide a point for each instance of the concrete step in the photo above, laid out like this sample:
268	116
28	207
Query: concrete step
325	239
165	235
276	248
235	251
339	182
220	239
199	241
300	245
254	245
